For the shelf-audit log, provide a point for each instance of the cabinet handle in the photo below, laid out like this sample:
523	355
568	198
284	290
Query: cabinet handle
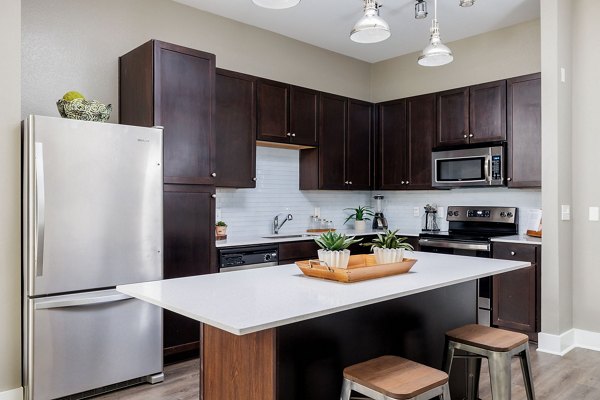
289	134
214	174
350	183
346	182
254	179
402	182
471	135
407	182
293	135
512	253
465	136
509	179
214	196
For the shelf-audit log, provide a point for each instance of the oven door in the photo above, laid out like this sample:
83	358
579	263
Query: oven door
472	249
467	167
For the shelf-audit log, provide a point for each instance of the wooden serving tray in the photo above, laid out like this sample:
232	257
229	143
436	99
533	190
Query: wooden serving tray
361	267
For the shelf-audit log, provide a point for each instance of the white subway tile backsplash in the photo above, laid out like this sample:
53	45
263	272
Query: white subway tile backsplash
251	211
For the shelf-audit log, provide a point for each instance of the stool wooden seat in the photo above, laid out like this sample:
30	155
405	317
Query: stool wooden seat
392	377
499	347
487	338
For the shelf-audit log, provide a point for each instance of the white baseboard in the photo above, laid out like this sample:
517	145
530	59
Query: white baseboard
567	341
14	394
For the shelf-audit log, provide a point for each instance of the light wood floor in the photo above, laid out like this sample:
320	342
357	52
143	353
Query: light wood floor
575	376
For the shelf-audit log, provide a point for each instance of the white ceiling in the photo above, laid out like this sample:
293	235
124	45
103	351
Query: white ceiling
327	23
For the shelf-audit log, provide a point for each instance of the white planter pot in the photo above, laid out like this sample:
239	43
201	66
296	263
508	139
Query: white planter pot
387	256
360	226
337	258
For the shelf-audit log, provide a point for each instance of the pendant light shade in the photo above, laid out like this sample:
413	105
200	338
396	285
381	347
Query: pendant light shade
276	4
371	28
436	53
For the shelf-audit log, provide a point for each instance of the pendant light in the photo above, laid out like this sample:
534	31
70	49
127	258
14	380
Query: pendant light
467	3
436	53
421	9
276	4
371	28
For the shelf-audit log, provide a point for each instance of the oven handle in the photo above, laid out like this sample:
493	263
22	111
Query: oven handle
248	266
455	245
488	168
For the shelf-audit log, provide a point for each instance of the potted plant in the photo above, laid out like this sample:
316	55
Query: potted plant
221	229
389	247
334	248
360	215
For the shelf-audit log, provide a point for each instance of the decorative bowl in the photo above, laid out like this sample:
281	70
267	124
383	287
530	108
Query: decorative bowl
84	110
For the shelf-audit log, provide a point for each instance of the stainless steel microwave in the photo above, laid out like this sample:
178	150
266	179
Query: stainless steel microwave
483	166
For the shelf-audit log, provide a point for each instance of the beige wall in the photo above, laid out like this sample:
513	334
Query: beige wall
495	55
586	182
10	241
557	252
75	45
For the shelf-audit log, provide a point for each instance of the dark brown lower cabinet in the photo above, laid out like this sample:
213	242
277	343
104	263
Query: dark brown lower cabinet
517	295
189	249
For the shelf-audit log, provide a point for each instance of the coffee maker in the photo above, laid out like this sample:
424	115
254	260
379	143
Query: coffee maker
379	221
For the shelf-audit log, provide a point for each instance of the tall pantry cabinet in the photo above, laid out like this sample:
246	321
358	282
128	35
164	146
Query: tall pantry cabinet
162	84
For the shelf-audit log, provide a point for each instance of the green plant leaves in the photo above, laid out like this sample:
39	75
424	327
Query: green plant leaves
389	240
335	241
361	213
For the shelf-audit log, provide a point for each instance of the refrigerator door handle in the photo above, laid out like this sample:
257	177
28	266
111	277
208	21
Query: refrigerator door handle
40	199
88	301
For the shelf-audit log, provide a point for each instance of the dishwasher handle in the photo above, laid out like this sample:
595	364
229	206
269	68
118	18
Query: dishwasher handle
248	266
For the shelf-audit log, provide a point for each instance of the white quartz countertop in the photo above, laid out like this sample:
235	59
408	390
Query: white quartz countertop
248	240
521	239
248	301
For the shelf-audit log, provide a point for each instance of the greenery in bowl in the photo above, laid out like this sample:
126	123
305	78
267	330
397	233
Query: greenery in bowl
389	240
221	223
335	241
360	213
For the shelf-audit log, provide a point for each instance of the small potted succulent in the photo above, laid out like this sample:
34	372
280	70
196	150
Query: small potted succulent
389	247
360	215
221	229
334	248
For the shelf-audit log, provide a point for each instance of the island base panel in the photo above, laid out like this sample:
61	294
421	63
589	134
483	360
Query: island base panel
237	367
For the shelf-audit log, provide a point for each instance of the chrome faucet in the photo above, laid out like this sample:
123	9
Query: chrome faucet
276	226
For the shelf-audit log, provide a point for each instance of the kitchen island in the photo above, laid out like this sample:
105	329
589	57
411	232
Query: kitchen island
272	333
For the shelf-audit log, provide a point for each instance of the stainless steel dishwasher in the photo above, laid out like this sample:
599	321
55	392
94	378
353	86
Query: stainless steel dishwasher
248	257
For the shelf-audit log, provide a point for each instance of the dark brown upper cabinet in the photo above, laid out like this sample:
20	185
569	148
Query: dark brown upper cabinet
343	160
162	84
235	129
524	131
475	114
406	136
287	114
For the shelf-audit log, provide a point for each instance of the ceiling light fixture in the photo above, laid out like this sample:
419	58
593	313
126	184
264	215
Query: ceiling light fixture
436	53
276	4
421	9
371	28
467	3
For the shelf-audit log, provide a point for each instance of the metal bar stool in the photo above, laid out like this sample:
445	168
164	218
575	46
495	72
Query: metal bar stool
499	347
391	377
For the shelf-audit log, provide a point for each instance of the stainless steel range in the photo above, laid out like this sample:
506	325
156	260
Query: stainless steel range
470	232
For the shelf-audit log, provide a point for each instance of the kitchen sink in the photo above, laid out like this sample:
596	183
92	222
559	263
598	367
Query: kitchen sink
289	236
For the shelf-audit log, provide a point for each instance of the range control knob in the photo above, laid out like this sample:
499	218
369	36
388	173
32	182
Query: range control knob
509	214
456	213
503	214
267	257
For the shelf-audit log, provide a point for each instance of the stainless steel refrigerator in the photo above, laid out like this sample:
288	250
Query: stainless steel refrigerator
92	219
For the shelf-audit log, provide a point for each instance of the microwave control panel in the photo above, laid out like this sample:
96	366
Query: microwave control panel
496	167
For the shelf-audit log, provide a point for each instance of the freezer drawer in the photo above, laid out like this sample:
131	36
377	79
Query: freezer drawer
84	341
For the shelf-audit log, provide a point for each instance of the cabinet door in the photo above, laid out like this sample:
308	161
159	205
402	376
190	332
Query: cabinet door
359	139
421	133
273	109
452	117
332	149
392	145
514	293
304	113
235	130
487	112
189	243
524	131
184	101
